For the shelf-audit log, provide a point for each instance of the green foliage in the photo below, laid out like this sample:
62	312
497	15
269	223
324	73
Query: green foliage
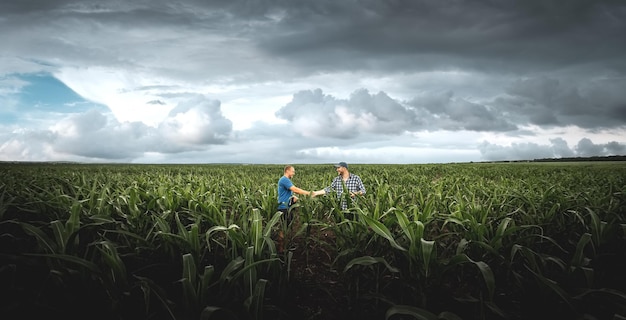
471	241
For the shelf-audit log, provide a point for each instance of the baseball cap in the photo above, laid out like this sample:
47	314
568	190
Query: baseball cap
341	164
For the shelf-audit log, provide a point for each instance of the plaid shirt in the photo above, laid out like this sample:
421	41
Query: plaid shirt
354	184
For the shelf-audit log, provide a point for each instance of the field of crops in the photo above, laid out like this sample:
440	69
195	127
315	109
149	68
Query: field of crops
440	241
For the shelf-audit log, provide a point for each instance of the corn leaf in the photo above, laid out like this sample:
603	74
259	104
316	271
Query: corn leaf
382	230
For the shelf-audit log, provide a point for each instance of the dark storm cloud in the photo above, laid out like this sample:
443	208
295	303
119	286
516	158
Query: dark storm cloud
519	35
403	67
586	148
142	35
579	41
615	148
559	102
486	35
444	110
26	6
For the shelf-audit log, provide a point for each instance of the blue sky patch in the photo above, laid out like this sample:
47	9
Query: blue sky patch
45	92
43	95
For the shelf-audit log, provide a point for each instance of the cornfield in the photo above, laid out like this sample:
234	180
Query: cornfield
436	241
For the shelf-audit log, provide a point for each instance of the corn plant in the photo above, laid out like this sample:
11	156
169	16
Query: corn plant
471	241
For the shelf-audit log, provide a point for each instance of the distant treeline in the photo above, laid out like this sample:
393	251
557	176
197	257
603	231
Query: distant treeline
574	159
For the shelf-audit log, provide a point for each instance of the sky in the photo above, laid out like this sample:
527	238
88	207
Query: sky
311	81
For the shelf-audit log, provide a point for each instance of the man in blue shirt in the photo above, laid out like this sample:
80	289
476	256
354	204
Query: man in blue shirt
352	181
286	199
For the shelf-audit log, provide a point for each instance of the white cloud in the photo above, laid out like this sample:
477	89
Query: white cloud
127	95
196	122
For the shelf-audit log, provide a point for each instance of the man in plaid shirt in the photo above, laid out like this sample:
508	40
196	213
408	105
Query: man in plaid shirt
352	181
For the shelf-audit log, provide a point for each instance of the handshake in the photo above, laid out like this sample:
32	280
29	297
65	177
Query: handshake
344	180
322	192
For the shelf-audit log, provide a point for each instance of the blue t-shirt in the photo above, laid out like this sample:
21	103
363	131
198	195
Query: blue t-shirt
284	193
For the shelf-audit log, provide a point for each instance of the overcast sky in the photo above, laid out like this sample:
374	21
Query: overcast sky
311	81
